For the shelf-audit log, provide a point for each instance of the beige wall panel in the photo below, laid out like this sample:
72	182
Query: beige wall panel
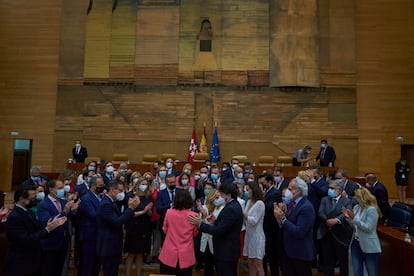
385	39
72	39
98	40
294	43
29	47
157	35
122	49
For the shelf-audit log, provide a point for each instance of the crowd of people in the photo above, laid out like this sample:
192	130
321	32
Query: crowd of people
210	219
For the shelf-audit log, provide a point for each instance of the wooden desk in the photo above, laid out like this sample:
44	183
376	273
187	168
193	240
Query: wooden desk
397	256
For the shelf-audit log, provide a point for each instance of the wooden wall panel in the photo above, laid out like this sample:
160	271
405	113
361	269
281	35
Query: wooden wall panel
97	41
245	39
29	47
294	43
122	48
156	60
385	84
156	120
72	40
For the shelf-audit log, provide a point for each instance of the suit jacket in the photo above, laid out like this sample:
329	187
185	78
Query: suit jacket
317	190
179	240
106	179
81	156
45	211
270	225
342	232
81	189
30	182
163	203
381	193
366	224
227	176
297	232
110	223
283	185
226	232
24	233
88	228
328	157
350	187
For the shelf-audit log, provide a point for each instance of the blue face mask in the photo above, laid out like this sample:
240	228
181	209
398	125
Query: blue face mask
214	176
219	201
247	194
287	201
323	146
331	193
163	174
206	192
60	193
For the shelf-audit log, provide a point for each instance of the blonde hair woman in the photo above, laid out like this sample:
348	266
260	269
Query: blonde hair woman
212	207
366	247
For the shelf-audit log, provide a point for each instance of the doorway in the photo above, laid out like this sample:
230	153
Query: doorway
407	152
22	158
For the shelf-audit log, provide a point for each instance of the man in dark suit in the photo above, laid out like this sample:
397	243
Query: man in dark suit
297	230
270	225
79	153
35	178
88	228
24	233
326	155
110	223
225	230
349	186
164	201
169	164
380	192
334	232
109	172
281	183
55	246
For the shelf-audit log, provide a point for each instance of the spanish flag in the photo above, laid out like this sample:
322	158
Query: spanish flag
203	142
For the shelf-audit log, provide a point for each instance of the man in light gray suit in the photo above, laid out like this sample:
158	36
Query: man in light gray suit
334	232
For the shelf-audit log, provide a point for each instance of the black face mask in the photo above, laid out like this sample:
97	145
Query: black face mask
32	203
100	190
171	187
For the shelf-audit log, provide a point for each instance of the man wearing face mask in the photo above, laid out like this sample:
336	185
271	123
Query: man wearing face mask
35	178
165	199
24	233
200	184
270	225
297	230
88	228
334	232
110	223
79	153
169	164
109	173
225	230
280	182
55	246
326	155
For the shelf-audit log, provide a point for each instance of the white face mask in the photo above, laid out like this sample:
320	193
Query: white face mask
135	181
142	187
184	182
234	166
219	201
40	195
67	188
120	196
240	175
109	169
78	145
169	165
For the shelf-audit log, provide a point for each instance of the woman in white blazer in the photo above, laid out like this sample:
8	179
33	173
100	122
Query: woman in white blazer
365	248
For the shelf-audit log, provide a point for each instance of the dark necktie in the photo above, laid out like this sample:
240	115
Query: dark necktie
172	195
291	208
323	154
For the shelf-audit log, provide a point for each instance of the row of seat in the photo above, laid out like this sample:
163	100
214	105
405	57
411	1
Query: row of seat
401	216
264	160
